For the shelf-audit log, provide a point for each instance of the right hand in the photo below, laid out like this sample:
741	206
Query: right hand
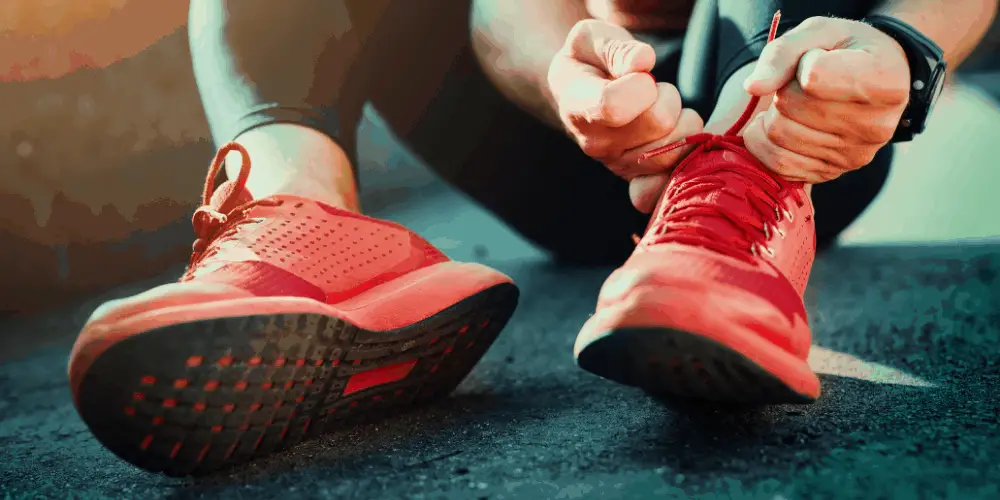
615	110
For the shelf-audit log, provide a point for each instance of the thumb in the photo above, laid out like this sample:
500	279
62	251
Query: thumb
775	69
623	57
610	48
779	60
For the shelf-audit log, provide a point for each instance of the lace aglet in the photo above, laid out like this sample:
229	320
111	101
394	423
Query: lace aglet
663	149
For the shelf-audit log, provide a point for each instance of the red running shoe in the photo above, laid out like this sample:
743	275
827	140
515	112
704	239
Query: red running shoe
292	317
710	304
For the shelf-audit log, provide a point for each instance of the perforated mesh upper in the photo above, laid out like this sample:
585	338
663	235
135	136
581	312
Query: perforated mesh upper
331	249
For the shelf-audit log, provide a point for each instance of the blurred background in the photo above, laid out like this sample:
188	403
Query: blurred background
103	150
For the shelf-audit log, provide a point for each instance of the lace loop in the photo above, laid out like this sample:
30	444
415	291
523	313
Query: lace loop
675	222
213	221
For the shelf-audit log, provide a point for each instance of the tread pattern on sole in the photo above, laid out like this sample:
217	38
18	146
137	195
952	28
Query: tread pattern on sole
195	397
670	362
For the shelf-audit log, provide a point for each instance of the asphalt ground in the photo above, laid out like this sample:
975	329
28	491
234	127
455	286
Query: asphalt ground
906	338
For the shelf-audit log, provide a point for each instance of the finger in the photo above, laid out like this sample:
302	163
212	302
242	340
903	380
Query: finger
585	96
645	191
779	59
864	124
798	138
788	164
657	122
610	48
851	75
628	165
832	149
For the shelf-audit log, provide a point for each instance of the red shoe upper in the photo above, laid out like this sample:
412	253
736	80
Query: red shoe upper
722	199
281	246
729	235
286	255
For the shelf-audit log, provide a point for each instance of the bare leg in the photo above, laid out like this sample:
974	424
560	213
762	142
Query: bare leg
293	159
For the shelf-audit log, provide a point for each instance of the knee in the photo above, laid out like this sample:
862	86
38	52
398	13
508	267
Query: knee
589	239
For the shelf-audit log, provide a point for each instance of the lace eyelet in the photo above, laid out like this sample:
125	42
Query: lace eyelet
757	253
767	232
788	215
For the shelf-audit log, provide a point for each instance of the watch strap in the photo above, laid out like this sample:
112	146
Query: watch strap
926	62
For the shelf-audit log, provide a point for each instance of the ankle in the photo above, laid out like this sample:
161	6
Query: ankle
296	160
732	102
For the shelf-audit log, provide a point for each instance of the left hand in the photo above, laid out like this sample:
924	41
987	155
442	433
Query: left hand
840	88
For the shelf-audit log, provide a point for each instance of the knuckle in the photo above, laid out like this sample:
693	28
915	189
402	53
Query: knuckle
781	163
593	147
776	131
786	100
607	113
829	175
691	121
670	94
843	159
776	50
881	134
667	120
861	157
811	80
578	39
668	111
816	22
839	28
579	32
671	97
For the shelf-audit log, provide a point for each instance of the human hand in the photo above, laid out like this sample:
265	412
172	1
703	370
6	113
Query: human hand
840	88
613	108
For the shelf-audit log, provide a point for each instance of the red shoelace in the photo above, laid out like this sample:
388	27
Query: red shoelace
676	222
215	222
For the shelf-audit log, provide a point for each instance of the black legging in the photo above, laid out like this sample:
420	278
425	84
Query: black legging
317	62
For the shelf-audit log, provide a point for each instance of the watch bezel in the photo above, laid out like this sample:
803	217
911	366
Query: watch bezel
935	86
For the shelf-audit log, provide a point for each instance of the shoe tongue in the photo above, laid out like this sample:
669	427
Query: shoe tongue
227	192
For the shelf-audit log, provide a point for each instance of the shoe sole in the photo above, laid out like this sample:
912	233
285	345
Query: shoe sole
671	362
192	398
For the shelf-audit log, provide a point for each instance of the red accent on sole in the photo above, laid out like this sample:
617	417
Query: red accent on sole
379	376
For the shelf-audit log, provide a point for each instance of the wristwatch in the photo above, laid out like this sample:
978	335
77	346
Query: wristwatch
927	71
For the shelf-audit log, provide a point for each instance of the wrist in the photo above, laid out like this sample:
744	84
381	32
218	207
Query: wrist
514	42
733	100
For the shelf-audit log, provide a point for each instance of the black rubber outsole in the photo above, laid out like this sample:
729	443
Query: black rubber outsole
193	398
675	363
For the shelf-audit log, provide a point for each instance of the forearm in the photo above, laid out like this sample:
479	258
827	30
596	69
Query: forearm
515	40
957	26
